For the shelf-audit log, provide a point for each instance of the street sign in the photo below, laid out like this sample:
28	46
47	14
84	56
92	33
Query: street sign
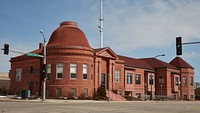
33	55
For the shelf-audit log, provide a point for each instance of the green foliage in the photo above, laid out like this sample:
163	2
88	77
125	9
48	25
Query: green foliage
101	91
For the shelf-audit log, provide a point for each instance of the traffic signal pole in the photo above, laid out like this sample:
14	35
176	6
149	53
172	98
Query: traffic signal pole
7	50
44	79
179	45
191	43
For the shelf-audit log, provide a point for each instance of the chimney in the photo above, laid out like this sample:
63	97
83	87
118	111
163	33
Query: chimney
41	45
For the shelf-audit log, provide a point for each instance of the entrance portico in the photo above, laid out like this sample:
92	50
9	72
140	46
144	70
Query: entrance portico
105	60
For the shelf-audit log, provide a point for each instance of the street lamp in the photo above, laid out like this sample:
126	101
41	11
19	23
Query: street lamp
151	76
44	81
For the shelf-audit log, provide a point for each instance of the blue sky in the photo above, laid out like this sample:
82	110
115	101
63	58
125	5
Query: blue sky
135	28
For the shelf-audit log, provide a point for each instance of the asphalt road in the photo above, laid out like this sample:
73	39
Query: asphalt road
55	106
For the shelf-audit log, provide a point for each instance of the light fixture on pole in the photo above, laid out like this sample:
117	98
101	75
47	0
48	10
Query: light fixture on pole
151	76
44	63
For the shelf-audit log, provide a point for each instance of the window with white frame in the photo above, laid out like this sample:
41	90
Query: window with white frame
85	71
117	75
48	71
129	78
151	79
59	70
48	68
137	79
161	80
73	68
18	74
176	81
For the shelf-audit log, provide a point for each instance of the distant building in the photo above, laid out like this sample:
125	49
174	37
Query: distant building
4	83
197	90
76	69
197	85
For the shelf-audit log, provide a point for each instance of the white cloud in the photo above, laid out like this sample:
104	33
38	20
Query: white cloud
190	55
130	26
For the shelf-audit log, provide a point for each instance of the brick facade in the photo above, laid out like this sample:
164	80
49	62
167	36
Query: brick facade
76	70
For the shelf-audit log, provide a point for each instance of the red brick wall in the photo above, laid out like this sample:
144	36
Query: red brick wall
66	57
24	84
187	90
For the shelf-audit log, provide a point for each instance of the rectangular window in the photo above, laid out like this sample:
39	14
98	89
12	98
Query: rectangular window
48	71
73	70
137	79
85	71
117	75
129	78
85	92
18	74
103	79
151	80
48	68
176	81
59	92
161	80
184	81
185	97
59	70
138	95
73	91
191	81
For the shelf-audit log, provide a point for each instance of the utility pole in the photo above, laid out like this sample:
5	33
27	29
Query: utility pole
101	23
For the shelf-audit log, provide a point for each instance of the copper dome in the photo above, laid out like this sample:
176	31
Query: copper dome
68	35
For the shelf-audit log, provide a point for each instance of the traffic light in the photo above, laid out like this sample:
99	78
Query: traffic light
6	49
178	46
44	71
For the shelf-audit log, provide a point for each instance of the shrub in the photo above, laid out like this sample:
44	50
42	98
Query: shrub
101	91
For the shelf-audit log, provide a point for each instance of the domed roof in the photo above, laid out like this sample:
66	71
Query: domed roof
67	35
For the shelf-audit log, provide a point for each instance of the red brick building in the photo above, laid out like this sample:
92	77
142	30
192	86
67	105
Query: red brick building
76	69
